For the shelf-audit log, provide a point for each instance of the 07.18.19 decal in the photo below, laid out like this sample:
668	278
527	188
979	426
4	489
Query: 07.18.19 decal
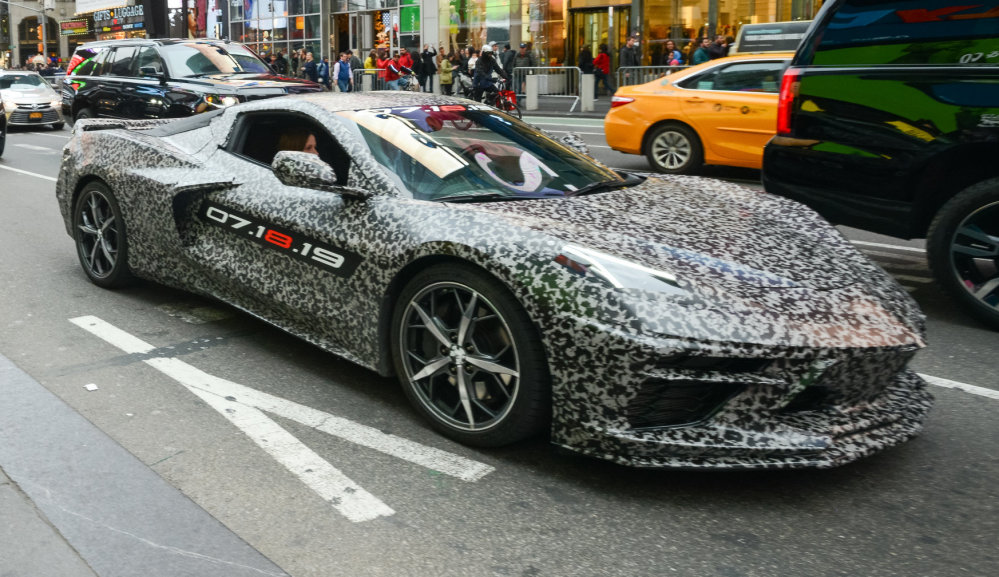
335	260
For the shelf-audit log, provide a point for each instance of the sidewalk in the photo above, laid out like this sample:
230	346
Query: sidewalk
74	503
559	106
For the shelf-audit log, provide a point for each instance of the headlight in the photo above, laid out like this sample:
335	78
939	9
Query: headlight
617	272
56	103
221	101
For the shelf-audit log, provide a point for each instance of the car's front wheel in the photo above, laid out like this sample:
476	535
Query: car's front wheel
963	248
83	113
469	357
101	241
674	149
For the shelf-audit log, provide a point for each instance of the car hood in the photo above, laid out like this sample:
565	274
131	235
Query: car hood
700	230
755	255
29	96
255	82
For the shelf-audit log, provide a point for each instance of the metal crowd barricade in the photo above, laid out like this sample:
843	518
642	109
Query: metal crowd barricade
377	82
553	82
631	75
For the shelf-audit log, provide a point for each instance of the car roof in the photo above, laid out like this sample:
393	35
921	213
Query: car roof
729	59
337	101
8	72
154	42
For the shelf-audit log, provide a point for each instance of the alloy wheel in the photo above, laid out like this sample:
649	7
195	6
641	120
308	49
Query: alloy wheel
671	150
98	241
975	254
459	356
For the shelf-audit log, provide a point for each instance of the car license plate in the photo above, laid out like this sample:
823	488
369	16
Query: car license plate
35	116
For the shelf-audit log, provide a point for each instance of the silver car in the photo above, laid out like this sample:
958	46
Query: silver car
29	99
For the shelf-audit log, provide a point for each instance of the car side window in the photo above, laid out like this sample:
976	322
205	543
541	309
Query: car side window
122	63
147	58
82	63
102	62
258	137
742	77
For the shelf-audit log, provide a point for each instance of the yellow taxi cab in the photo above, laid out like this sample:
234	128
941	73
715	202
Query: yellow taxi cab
720	112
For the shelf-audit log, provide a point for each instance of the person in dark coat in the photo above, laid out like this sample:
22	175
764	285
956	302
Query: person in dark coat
585	60
630	56
484	68
309	69
428	68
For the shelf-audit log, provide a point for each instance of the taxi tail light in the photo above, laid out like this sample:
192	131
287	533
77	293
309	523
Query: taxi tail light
620	101
785	105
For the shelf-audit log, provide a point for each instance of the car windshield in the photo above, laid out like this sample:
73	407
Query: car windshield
20	81
458	152
199	59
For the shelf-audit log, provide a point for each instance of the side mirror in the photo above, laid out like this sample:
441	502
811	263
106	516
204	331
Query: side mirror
305	170
152	72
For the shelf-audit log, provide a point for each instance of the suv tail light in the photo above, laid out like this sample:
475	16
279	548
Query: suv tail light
620	101
788	92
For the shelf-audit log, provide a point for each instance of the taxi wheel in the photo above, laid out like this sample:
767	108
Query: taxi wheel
674	149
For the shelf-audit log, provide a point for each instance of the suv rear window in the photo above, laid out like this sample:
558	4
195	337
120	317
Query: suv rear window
82	62
890	32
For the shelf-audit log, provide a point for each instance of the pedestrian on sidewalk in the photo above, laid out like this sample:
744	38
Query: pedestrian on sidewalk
601	68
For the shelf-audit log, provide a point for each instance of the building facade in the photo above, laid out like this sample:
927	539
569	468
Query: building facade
554	30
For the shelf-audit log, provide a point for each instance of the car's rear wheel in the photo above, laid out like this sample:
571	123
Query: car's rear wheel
674	149
963	248
100	235
3	137
469	358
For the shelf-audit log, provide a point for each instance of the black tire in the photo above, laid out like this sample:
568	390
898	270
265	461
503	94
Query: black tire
3	137
963	249
497	360
100	235
58	126
510	107
674	149
83	113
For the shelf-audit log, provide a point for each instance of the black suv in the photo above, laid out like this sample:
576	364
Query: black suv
167	78
889	121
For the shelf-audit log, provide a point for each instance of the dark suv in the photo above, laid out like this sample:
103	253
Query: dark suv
167	78
889	121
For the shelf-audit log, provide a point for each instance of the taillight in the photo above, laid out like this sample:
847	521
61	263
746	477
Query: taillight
788	92
620	101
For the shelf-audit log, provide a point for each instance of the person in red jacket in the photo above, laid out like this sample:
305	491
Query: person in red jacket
601	68
405	58
382	63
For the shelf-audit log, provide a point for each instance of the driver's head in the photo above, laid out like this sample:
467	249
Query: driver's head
298	138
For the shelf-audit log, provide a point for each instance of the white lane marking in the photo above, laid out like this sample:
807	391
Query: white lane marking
36	147
949	384
327	481
52	135
35	174
577	132
113	335
245	408
891	246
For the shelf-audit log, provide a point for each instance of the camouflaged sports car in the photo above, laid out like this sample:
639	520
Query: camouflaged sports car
511	282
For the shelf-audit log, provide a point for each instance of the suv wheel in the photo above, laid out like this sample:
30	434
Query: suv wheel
963	248
83	113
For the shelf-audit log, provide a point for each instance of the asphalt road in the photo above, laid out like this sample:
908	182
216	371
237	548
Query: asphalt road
928	507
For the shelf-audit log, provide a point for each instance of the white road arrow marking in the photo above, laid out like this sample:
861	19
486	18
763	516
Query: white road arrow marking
245	408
